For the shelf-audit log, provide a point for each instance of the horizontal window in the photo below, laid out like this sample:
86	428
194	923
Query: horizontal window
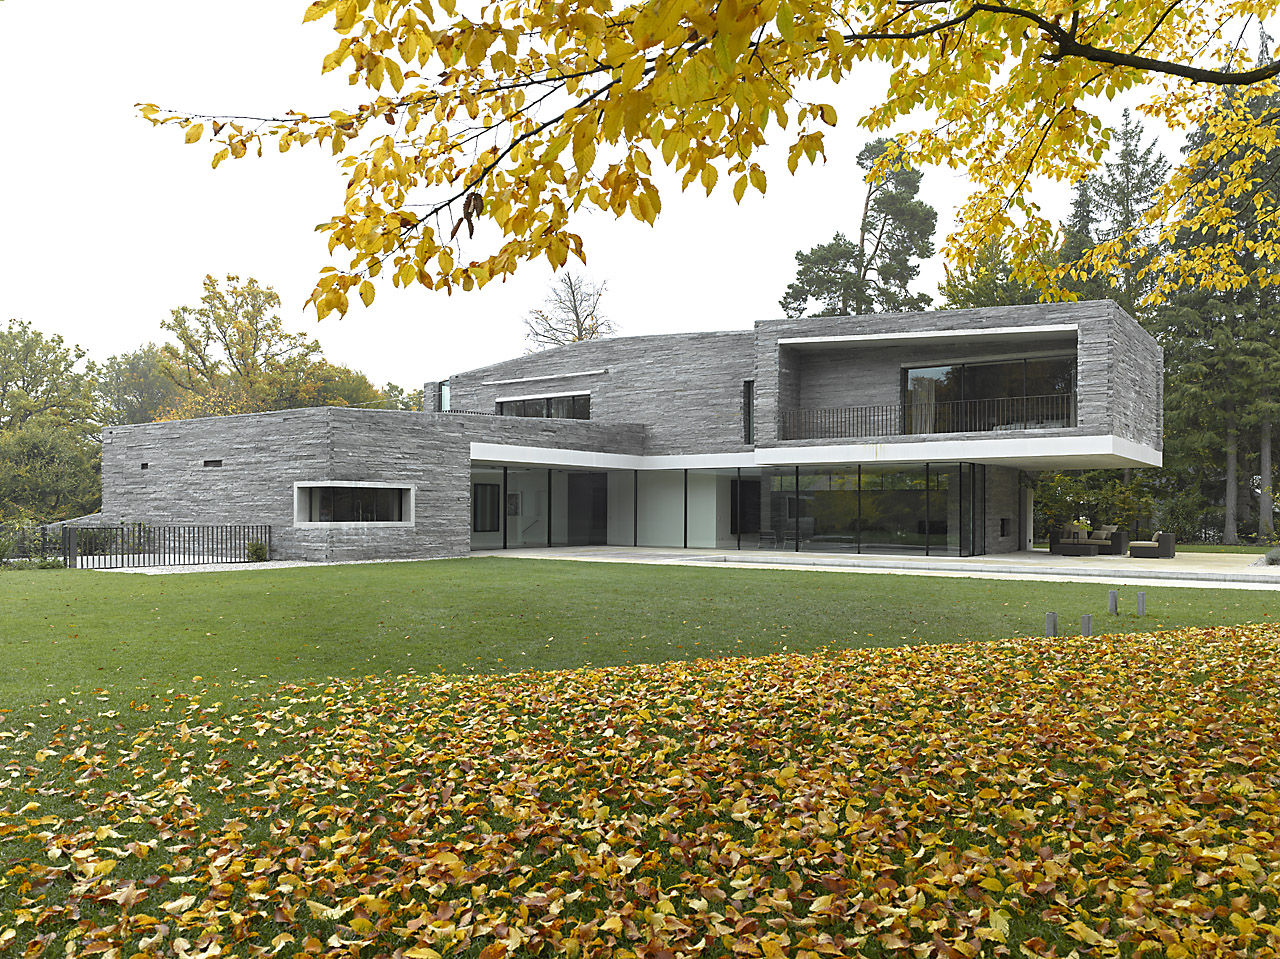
358	504
558	407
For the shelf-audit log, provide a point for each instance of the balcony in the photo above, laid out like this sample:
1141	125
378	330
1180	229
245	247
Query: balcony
998	415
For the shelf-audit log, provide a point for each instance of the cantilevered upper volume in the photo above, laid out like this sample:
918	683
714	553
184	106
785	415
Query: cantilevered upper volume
905	431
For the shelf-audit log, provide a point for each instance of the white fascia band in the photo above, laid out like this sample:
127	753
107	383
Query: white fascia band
1062	452
540	396
854	339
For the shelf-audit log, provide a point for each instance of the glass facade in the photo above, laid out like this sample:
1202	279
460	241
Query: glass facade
875	509
933	509
1034	393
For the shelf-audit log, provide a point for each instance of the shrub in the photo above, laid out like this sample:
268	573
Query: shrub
10	540
258	552
1273	556
48	562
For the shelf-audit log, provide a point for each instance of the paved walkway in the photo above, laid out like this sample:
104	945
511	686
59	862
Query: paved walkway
1204	570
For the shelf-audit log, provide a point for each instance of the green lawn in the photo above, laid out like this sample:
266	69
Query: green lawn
222	759
1244	549
141	635
1219	548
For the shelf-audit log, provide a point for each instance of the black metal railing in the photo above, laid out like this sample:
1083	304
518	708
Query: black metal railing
1000	414
140	545
29	543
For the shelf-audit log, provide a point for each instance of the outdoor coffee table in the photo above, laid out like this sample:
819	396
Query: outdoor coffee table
1078	549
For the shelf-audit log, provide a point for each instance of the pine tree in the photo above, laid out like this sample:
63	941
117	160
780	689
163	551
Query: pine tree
1121	196
872	275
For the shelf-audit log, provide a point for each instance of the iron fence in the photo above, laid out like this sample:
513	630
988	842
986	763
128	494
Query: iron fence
29	543
141	545
961	416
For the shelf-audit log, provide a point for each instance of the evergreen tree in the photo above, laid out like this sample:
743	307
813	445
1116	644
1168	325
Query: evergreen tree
989	283
1120	198
1222	349
873	274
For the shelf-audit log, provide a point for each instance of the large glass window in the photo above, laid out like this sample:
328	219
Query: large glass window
936	509
576	407
353	504
990	396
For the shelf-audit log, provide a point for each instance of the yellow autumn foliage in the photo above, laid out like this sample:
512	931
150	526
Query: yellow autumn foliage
511	117
1109	795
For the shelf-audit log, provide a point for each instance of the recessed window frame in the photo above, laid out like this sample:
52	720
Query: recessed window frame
542	405
301	504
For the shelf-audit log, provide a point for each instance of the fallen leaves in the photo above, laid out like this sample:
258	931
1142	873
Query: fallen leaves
1114	794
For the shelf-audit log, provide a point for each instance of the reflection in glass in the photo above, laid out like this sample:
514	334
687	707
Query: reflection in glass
991	396
930	509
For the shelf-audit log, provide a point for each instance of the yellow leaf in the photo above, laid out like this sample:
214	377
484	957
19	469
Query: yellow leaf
195	132
1085	934
420	952
315	12
612	924
584	143
181	904
366	293
786	21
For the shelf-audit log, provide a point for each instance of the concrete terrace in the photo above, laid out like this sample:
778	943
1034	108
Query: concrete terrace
1206	570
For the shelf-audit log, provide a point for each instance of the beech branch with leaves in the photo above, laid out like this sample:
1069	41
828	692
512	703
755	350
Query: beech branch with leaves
513	119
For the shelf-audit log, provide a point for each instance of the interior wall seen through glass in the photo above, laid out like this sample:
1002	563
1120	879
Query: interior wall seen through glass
994	395
355	504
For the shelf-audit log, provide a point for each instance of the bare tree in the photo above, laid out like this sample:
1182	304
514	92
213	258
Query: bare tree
570	314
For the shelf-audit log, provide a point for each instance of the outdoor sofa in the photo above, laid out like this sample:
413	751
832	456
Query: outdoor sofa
1074	539
1160	546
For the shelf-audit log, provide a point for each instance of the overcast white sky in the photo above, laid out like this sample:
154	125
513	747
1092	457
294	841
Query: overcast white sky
110	223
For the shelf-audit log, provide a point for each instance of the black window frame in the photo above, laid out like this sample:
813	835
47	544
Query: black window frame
545	407
749	412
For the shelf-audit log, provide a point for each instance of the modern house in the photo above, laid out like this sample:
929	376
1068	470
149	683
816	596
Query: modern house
911	432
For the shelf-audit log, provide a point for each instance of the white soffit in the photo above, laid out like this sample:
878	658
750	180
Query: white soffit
983	334
1022	452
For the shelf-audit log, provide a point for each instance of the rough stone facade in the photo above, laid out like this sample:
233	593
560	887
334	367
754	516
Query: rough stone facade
685	388
263	455
1119	366
650	396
